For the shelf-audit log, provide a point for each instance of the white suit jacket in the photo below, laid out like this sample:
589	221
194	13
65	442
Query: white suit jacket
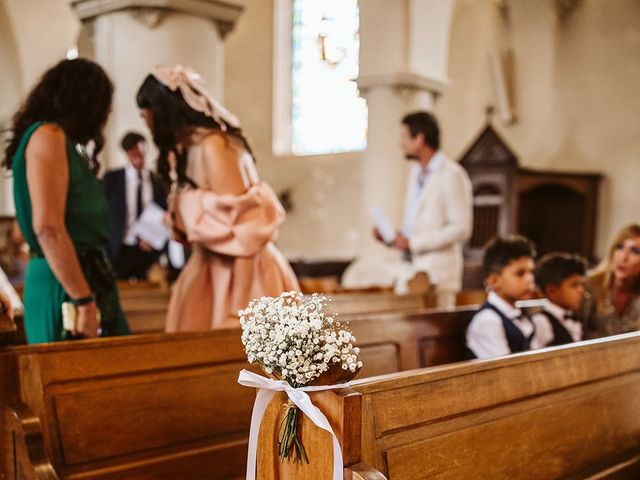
443	223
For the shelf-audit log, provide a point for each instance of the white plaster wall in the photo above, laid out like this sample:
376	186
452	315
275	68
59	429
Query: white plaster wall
10	90
128	49
44	31
381	53
34	34
428	53
576	92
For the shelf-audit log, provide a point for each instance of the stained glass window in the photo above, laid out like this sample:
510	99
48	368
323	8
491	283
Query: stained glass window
328	115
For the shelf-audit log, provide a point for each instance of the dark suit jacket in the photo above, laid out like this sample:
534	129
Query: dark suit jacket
115	189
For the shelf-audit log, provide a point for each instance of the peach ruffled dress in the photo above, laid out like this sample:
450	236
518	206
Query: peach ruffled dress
233	257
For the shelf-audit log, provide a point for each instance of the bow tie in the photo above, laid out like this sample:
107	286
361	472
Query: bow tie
570	316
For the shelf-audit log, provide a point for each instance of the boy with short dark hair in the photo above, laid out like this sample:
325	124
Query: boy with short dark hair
499	327
560	276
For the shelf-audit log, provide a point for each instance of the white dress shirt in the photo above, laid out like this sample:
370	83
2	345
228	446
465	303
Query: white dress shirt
421	177
485	334
131	184
544	329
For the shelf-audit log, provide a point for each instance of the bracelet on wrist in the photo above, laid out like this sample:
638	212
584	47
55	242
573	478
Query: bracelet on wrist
83	300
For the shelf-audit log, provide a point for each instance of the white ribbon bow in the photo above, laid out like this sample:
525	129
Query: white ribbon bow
266	390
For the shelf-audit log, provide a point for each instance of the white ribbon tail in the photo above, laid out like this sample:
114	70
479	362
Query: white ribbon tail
262	402
266	390
302	401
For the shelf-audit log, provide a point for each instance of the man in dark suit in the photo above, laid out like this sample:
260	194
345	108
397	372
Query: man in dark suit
129	190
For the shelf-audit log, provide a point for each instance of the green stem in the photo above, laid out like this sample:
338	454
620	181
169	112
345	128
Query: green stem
289	444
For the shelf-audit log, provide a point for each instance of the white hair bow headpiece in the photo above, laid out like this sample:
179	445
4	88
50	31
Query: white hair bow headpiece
193	91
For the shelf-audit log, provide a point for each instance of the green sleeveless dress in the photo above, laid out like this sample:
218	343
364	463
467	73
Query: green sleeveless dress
87	221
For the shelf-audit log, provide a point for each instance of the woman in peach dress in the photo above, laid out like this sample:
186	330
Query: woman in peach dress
217	204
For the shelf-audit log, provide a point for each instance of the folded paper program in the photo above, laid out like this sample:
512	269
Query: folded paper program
267	388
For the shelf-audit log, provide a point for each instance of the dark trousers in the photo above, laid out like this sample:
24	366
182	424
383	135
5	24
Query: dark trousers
133	262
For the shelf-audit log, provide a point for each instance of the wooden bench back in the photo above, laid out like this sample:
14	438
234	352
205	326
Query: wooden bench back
145	306
156	407
565	412
148	406
367	303
392	342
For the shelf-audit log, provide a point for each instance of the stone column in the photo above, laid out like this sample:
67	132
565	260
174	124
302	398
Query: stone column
403	65
130	37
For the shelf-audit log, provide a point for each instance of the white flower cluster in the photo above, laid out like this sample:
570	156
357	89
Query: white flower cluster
293	338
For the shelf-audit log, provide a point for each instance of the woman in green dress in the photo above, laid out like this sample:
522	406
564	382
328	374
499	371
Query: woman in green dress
60	206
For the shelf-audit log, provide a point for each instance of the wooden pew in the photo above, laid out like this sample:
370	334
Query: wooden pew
145	407
85	409
471	297
392	342
145	306
564	412
150	406
349	303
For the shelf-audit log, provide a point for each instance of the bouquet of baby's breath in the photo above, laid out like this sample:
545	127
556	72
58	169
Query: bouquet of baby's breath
294	339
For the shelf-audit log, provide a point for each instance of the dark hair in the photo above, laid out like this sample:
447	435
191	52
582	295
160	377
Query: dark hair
130	140
173	119
554	268
74	94
426	124
501	251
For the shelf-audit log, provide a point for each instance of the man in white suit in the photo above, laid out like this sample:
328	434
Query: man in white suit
438	209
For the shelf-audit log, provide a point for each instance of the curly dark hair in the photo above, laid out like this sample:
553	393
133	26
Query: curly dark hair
173	119
74	94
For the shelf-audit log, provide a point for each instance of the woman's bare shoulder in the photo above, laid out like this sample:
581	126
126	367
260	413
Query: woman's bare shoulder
45	138
219	141
221	154
219	147
48	132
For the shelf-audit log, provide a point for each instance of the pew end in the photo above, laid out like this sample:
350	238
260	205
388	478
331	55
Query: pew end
25	453
145	407
342	409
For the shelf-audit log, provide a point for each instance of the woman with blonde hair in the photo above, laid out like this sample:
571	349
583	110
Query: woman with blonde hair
218	204
612	301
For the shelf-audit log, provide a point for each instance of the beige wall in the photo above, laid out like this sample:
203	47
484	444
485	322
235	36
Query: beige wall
576	92
34	34
576	98
44	30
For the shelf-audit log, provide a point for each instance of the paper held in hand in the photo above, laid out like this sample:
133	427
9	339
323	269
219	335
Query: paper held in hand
383	224
151	227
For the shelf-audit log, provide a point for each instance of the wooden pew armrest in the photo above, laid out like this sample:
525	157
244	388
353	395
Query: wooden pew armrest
25	452
360	471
